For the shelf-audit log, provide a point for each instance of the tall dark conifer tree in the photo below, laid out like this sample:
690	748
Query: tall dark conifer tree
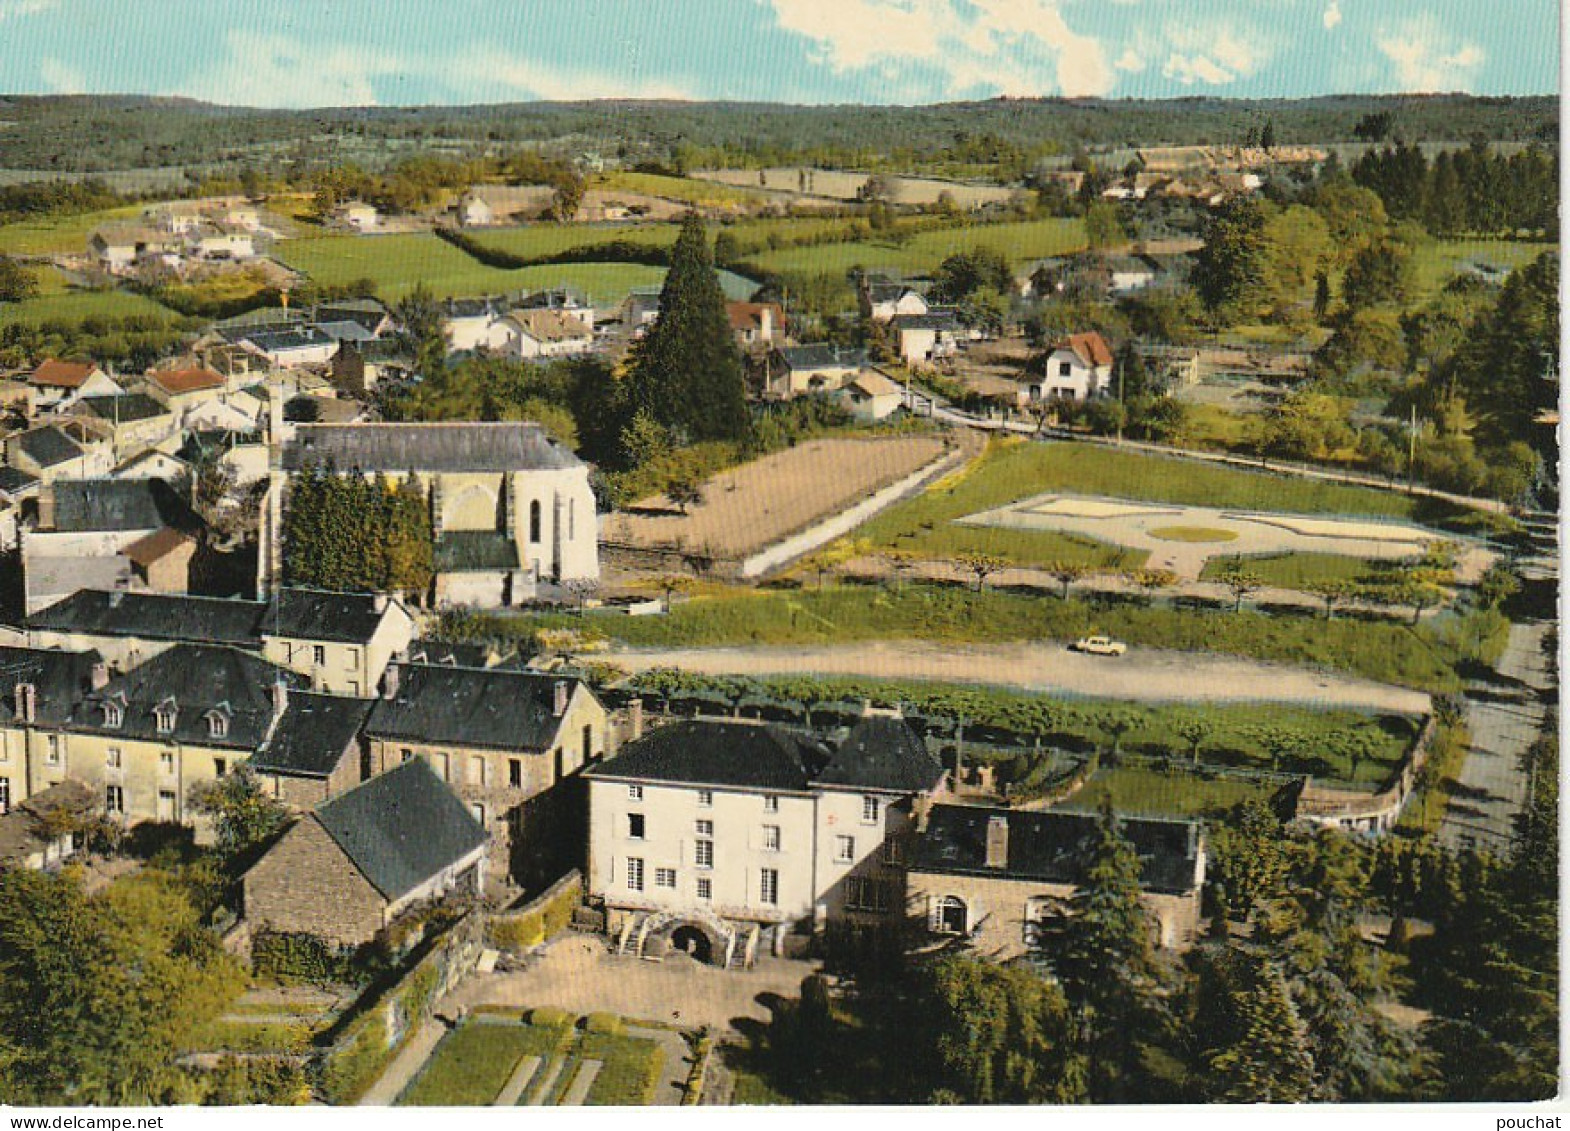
687	373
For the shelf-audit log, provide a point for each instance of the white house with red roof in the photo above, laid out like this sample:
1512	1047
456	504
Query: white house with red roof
1077	367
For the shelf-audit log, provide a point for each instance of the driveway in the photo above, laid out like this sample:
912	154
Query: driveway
578	973
1145	674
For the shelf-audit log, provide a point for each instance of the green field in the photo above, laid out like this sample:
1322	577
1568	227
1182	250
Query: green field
72	306
701	193
540	241
1436	262
629	1069
1160	793
1293	570
472	1065
1020	241
61	235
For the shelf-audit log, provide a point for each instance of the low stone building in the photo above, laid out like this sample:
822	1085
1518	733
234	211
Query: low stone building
347	869
314	751
509	743
1003	878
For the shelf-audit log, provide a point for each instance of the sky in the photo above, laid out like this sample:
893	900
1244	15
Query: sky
292	53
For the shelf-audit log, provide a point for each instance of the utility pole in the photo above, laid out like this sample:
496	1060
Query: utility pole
1411	453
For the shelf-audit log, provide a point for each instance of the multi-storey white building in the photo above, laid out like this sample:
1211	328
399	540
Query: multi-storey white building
723	837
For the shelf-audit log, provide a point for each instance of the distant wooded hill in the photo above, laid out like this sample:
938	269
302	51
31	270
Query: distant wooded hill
95	134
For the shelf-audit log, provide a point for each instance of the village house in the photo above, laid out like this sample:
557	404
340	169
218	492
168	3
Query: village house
359	367
349	868
1078	367
872	395
39	832
133	422
182	388
342	641
563	300
1003	879
56	385
921	339
127	629
820	368
154	464
220	241
756	324
544	333
118	249
369	314
107	534
484	205
473	324
358	215
287	349
883	300
508	743
65	449
640	309
38	691
726	838
314	751
512	512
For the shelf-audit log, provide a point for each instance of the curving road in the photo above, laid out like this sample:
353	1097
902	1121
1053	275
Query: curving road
1143	674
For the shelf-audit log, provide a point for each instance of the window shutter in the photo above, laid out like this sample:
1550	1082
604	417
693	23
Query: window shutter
934	921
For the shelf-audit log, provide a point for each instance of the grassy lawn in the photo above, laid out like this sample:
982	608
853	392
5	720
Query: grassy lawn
1437	261
1193	534
61	235
1215	426
75	306
749	1089
472	1065
1020	241
629	1072
1293	570
702	193
1011	470
1159	793
540	241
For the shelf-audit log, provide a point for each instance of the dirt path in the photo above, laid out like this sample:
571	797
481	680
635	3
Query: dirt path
1142	674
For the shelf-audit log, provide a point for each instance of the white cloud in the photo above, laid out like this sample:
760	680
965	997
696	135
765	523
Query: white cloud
996	46
1333	15
1214	54
62	78
1131	61
276	71
491	73
1426	60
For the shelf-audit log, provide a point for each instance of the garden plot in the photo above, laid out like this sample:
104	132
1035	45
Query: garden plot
1183	538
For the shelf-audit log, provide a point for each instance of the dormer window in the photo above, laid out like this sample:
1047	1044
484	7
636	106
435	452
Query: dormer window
165	715
217	723
114	713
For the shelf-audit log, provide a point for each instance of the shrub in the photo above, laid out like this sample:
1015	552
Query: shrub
607	1023
550	1017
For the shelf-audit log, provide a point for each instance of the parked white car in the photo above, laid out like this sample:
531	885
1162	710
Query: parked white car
1100	646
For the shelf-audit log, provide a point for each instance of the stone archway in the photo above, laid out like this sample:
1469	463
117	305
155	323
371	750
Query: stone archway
695	941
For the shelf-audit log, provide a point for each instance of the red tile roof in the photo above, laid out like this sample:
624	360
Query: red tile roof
159	544
62	374
747	315
1090	347
186	380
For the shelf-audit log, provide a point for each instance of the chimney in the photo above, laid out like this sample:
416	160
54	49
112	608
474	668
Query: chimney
866	707
997	842
635	719
46	507
280	698
115	597
100	676
390	682
379	602
921	809
26	703
563	690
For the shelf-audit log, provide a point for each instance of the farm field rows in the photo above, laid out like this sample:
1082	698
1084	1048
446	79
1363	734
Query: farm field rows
1019	241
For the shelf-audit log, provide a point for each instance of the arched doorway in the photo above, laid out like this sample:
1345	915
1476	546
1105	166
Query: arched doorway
694	941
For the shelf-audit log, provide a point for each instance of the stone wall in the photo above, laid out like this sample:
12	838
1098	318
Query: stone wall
306	884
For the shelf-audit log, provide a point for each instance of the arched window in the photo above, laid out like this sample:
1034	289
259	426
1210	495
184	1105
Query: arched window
217	724
951	917
534	520
166	713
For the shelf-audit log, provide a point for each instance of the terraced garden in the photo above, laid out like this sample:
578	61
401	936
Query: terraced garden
500	1059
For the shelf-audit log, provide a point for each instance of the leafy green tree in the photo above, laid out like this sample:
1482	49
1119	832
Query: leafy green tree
998	1035
420	332
1230	269
1262	1055
409	547
1248	857
686	373
243	814
17	283
981	566
966	272
1241	583
1103	229
99	993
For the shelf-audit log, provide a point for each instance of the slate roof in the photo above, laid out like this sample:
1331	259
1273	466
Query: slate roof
82	505
315	614
507	710
279	341
13	480
470	551
520	446
128	408
718	753
882	753
366	312
347	330
469	308
449	654
59	680
312	735
197	679
822	356
1053	846
401	828
153	616
48	446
